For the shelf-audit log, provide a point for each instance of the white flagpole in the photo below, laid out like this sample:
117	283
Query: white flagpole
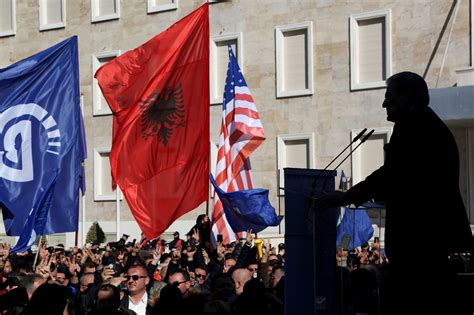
83	227
37	252
117	204
83	197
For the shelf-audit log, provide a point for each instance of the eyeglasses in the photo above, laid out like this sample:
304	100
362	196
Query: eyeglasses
252	269
198	275
134	277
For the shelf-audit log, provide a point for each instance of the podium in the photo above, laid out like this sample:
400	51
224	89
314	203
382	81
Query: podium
310	243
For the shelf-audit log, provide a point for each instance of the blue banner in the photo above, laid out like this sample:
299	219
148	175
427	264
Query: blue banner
247	209
356	225
42	144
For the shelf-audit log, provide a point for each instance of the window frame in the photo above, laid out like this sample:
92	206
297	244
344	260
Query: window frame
43	25
354	19
98	176
357	157
12	31
216	97
279	48
281	139
95	18
96	92
156	8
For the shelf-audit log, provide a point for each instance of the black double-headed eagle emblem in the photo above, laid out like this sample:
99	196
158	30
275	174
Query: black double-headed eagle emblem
162	112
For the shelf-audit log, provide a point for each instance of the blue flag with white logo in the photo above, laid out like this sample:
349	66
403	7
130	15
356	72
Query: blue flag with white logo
42	144
247	209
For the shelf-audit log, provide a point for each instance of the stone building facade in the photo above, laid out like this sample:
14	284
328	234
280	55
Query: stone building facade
316	70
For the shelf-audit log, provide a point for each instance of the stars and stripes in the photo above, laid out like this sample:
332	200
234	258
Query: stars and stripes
241	133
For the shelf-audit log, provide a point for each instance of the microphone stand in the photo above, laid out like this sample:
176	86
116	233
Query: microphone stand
313	186
367	136
313	201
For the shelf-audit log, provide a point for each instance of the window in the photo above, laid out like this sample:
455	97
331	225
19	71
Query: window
105	10
52	14
371	49
99	104
220	60
154	6
102	175
294	59
464	136
7	18
370	155
294	150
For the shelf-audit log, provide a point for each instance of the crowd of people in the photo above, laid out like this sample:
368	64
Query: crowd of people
146	277
363	275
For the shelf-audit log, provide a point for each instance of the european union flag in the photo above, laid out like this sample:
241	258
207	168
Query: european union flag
42	144
247	209
356	224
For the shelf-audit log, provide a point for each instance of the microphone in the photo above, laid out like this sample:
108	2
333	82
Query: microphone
311	196
367	136
360	134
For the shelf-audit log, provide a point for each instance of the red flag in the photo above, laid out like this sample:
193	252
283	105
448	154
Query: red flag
159	95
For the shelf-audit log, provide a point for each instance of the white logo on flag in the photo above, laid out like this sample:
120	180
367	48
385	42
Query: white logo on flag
22	155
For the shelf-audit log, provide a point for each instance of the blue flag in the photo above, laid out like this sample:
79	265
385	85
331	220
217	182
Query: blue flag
355	224
42	144
247	209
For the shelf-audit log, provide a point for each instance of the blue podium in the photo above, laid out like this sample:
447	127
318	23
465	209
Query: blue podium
310	242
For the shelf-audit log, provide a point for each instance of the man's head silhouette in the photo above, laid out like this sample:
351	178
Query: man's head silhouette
405	91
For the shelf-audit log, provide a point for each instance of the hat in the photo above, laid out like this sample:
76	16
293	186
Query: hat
59	246
125	235
281	246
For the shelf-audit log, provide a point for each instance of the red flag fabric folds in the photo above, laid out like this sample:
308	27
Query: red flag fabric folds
159	95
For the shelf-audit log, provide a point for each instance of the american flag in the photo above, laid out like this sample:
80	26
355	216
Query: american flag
241	133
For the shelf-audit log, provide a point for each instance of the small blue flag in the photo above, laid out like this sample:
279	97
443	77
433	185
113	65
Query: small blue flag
355	224
42	144
247	209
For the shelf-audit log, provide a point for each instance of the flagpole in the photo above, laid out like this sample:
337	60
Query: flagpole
83	227
37	252
76	235
83	197
117	206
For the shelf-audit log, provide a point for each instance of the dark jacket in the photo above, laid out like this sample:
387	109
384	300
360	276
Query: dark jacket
419	182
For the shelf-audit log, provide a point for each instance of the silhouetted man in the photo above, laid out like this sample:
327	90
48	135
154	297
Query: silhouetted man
419	181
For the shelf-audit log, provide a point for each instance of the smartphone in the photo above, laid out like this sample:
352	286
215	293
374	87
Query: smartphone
219	238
